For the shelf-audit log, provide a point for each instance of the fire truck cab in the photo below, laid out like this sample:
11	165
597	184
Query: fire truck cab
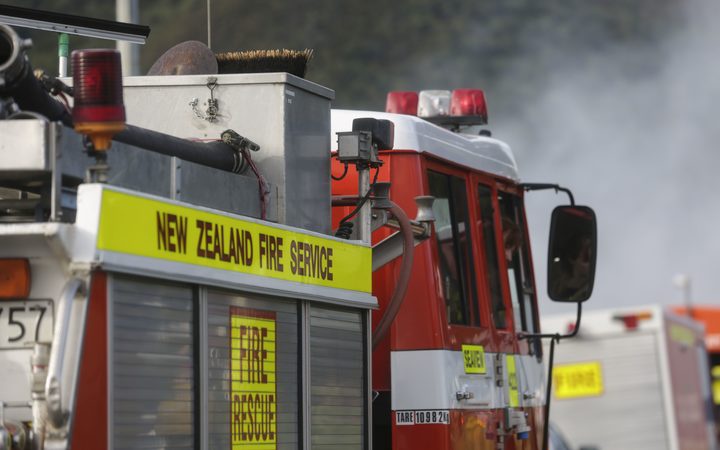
454	371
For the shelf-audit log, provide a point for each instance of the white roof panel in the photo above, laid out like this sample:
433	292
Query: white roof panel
412	133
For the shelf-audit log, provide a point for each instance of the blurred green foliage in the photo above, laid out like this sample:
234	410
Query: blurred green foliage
364	49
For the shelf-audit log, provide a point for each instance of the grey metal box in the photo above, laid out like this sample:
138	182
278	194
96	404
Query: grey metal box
287	116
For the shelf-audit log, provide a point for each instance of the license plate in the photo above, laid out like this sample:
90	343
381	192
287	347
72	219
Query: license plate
24	323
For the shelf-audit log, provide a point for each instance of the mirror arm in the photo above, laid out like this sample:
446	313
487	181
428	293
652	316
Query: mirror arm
553	339
557	336
543	186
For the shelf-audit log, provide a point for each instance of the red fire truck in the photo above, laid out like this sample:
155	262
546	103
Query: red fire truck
709	316
190	287
454	371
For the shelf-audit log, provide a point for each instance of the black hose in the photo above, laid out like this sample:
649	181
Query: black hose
403	280
218	154
344	230
30	95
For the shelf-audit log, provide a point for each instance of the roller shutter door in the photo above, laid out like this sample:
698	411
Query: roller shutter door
338	394
230	418
152	365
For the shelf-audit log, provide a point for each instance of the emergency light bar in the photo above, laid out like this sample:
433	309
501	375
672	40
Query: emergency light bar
71	24
442	107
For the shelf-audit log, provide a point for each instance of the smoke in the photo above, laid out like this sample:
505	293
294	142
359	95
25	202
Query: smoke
633	131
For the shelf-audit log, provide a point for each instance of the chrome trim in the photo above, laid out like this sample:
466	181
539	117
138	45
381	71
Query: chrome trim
110	330
305	380
368	379
202	304
61	382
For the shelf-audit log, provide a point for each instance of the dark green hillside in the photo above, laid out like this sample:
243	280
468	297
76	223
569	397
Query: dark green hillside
363	49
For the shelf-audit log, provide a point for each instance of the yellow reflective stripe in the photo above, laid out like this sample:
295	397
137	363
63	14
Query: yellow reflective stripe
716	391
514	395
151	228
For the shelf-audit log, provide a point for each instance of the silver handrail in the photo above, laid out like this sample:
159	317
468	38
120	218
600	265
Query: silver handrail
56	386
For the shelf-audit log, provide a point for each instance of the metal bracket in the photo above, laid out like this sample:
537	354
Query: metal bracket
242	146
212	109
391	247
500	370
211	113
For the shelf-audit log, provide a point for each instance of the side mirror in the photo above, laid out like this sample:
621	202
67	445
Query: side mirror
572	254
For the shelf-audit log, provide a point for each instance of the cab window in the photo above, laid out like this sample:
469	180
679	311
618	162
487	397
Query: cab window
492	266
517	257
454	247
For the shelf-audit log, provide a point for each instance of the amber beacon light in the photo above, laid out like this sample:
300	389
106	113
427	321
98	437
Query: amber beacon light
14	278
98	110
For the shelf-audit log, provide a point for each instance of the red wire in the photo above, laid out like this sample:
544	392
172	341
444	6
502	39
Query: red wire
261	184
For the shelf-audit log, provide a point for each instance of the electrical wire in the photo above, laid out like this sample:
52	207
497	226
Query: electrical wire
262	184
341	176
345	228
363	200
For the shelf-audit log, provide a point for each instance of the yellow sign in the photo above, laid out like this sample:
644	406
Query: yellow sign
156	229
715	372
716	392
682	335
474	358
514	395
253	418
578	380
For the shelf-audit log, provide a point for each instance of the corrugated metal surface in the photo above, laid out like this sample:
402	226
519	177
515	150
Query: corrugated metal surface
337	379
286	366
629	414
152	365
154	390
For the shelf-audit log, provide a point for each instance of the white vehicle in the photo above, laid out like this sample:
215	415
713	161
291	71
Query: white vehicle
632	379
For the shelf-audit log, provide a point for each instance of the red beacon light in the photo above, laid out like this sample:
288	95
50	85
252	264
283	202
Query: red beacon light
98	109
469	103
632	321
402	102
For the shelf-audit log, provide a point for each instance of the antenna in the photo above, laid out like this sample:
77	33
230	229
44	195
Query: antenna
209	26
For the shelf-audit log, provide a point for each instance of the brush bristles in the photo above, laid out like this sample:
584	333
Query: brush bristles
259	61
